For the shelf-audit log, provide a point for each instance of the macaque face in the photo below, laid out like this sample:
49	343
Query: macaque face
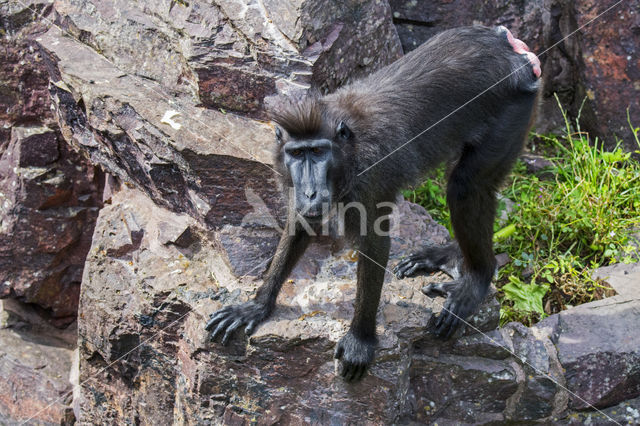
309	163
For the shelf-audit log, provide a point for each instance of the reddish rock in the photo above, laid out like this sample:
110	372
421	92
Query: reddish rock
610	69
48	208
48	193
24	97
34	378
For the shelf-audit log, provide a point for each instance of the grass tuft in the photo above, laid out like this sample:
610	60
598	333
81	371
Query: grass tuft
559	229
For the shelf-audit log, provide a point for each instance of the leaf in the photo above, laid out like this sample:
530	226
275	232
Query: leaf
309	315
525	297
505	232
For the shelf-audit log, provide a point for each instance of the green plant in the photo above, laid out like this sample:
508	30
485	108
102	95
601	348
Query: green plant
432	195
570	225
560	229
525	298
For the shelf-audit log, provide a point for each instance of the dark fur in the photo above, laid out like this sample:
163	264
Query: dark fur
383	112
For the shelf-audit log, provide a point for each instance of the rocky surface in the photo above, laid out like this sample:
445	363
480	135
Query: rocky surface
600	372
47	214
625	413
610	68
581	60
235	55
35	363
169	99
49	195
142	337
142	117
623	278
149	322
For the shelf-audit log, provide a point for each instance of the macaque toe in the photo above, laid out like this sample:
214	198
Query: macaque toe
227	320
354	355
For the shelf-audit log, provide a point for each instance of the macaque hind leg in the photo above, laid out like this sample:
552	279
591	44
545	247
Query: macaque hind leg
471	199
472	202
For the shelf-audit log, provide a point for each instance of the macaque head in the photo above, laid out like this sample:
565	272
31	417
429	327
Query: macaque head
311	162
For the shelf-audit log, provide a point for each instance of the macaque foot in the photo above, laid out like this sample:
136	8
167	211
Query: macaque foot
463	299
230	318
431	259
355	354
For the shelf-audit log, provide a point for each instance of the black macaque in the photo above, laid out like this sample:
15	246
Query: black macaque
475	91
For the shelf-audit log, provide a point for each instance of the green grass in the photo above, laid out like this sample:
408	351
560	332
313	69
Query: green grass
560	229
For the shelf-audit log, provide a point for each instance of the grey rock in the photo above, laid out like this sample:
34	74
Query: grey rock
542	374
494	345
453	389
599	349
623	278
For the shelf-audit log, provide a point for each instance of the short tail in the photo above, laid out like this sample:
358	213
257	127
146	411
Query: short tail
527	76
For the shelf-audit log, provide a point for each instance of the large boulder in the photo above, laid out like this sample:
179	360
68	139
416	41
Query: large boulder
597	342
147	294
587	55
49	194
598	347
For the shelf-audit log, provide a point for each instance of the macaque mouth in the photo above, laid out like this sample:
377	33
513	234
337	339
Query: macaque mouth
314	214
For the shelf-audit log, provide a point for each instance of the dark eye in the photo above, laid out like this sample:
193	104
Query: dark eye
316	150
296	153
343	131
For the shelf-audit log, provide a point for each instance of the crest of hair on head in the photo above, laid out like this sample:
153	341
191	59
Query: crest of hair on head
300	117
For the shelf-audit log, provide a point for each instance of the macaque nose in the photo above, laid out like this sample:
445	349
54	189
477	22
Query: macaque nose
310	193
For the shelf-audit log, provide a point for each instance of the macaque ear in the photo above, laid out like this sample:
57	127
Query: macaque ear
343	132
278	134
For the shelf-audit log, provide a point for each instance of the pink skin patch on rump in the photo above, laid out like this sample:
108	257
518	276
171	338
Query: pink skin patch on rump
521	47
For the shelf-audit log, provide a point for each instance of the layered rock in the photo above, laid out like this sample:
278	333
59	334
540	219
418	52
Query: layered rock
49	194
142	117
